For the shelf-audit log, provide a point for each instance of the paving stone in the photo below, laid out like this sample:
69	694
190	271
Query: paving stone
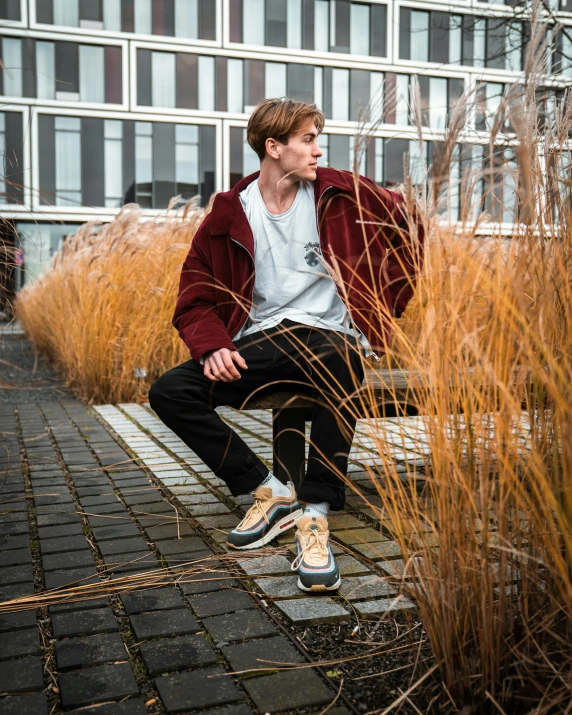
383	605
52	532
156	599
14	541
280	587
21	675
134	545
242	625
23	642
79	605
104	520
288	690
171	531
357	536
99	499
74	559
379	550
349	566
264	565
358	588
28	704
65	544
90	650
234	709
181	546
187	691
16	590
66	577
18	527
313	611
214	604
16	574
207	583
81	623
13	516
185	560
104	533
181	652
15	557
16	621
142	497
163	508
164	623
397	567
92	685
244	656
134	706
341	521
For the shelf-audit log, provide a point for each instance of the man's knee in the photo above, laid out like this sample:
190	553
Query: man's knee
162	391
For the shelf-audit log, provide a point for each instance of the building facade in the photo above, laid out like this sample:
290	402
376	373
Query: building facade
107	102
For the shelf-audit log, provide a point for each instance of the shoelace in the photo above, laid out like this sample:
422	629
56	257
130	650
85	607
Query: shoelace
314	540
257	506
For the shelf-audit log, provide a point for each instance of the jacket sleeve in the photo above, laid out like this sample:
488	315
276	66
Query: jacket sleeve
196	316
404	251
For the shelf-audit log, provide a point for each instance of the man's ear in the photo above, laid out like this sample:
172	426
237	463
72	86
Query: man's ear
272	148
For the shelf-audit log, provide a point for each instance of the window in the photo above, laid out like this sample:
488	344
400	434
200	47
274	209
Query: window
11	158
144	164
187	160
68	161
319	25
419	36
113	162
190	19
275	79
10	10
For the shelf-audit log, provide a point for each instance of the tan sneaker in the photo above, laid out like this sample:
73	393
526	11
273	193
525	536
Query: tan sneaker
315	562
266	518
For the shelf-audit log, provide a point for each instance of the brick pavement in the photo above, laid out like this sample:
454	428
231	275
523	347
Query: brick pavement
90	495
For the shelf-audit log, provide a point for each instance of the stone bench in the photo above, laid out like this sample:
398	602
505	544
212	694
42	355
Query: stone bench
394	391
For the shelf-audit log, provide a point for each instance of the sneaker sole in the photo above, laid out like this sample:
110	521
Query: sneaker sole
319	587
287	522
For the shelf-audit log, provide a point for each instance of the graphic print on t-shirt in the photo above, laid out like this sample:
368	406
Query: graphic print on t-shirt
313	253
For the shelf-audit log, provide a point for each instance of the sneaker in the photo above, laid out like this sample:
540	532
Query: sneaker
266	518
315	562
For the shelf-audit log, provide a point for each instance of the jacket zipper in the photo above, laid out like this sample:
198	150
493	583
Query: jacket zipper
328	268
253	267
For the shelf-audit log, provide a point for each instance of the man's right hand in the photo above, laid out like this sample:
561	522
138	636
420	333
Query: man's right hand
219	365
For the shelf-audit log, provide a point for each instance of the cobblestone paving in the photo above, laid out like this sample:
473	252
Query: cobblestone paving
90	495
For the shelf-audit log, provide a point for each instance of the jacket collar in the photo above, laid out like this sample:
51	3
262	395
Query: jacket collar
227	216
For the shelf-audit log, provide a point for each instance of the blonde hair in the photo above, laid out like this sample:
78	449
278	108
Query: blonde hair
277	118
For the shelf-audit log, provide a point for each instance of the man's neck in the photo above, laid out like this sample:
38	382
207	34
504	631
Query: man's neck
278	191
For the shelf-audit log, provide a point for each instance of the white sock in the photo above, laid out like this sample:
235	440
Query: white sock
278	489
319	509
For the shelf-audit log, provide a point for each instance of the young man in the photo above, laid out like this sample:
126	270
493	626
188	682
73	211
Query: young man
260	312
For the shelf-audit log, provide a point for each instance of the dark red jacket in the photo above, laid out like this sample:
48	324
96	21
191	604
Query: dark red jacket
374	251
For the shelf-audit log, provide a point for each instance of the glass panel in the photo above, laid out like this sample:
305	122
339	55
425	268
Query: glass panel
276	19
187	160
493	93
294	25
91	74
163	79
12	60
206	83
143	17
45	70
402	99
250	161
113	162
3	152
235	86
479	44
144	163
187	19
510	193
437	103
454	204
419	36
417	163
66	12
321	15
112	15
340	98
253	22
376	95
68	161
359	29
362	157
275	79
566	56
513	47
319	87
324	144
455	39
379	146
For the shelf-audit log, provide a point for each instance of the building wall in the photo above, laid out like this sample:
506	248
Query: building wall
106	102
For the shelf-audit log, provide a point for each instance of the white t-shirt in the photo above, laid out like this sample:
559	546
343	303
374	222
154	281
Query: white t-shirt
291	278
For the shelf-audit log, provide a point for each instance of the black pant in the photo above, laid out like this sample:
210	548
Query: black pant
323	364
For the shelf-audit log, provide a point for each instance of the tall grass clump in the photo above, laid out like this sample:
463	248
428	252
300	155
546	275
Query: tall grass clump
102	309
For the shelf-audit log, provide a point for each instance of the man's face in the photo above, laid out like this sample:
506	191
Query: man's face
299	158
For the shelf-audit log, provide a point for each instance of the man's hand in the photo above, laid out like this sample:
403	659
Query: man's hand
219	365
